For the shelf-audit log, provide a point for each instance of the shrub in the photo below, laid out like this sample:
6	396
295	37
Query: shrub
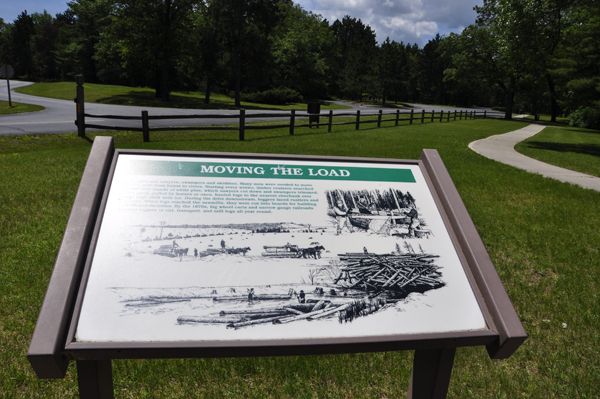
585	117
278	96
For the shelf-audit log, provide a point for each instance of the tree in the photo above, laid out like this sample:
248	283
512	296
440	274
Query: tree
479	51
300	44
246	26
576	62
22	35
357	45
432	64
150	37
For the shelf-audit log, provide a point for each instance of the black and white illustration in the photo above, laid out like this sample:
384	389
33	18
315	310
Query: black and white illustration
214	258
390	212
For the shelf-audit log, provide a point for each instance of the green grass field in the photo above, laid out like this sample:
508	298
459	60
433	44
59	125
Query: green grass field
568	147
18	108
541	235
144	97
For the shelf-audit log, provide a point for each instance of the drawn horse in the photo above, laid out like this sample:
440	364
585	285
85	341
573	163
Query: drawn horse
313	252
235	251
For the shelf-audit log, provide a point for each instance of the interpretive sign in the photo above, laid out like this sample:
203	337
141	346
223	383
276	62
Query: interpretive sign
203	254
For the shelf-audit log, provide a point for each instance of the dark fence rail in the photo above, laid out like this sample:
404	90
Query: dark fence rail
242	117
314	119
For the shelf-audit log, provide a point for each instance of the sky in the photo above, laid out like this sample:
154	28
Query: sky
409	21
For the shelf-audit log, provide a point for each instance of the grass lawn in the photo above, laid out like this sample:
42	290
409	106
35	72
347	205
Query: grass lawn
144	97
560	121
548	261
18	108
572	148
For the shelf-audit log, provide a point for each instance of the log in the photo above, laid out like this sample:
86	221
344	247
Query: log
220	320
318	306
329	312
253	312
301	317
253	322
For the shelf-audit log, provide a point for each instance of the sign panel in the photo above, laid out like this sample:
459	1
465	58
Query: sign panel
6	71
230	249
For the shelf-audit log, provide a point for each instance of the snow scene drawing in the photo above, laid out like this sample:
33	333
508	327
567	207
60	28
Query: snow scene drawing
368	259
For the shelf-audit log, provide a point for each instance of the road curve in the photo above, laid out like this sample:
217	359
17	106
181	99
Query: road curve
501	148
59	115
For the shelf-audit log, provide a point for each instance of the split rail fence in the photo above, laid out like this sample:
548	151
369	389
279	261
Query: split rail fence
242	126
242	117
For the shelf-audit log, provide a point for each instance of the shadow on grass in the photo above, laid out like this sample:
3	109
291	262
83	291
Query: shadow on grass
146	99
587	149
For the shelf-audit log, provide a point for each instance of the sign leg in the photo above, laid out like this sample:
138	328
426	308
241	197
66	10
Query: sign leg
95	379
432	369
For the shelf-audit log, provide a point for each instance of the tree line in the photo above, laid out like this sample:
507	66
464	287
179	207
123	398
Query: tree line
531	55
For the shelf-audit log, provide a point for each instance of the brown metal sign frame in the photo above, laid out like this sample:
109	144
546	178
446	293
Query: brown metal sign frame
53	345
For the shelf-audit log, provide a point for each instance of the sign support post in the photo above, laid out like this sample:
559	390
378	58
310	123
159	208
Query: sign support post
8	71
94	378
80	101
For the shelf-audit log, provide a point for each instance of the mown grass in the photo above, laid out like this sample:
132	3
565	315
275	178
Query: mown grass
541	235
17	108
145	97
546	119
568	147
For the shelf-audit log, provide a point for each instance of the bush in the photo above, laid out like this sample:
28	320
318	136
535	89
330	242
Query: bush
585	117
278	96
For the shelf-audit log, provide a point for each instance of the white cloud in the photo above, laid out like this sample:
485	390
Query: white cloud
410	21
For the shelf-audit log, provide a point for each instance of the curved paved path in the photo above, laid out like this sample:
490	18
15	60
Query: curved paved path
501	148
59	115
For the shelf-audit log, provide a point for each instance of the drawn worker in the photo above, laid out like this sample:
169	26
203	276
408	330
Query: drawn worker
250	294
413	223
341	216
195	253
175	245
301	297
223	244
364	206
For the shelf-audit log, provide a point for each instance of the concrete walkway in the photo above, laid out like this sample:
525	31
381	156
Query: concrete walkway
501	148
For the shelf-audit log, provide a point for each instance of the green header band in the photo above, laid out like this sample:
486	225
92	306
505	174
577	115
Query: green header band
266	171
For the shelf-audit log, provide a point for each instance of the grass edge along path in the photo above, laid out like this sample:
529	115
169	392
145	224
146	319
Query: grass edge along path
548	263
18	108
572	148
145	97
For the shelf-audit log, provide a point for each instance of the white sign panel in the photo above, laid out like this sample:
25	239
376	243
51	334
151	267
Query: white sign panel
227	249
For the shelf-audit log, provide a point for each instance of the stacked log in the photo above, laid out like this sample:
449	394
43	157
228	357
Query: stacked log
319	309
396	274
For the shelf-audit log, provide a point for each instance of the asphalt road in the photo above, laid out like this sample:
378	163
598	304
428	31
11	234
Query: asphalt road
59	115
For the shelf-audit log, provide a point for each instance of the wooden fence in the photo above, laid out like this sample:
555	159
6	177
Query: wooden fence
358	119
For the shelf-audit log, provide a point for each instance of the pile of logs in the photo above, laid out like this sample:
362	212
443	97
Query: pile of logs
314	310
395	274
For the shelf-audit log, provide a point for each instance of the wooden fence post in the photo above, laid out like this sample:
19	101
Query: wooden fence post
484	113
441	116
460	116
448	118
379	118
454	114
432	114
397	116
292	122
80	101
412	115
242	123
357	118
145	127
423	116
330	121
